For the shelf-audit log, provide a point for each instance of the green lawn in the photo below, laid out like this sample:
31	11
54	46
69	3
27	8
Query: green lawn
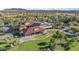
74	46
31	45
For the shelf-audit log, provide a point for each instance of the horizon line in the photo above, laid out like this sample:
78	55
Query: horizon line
43	8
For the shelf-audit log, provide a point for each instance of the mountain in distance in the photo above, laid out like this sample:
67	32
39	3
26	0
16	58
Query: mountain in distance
41	10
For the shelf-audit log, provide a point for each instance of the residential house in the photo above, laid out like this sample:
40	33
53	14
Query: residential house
31	28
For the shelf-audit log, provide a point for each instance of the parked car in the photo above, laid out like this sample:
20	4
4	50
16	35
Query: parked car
71	33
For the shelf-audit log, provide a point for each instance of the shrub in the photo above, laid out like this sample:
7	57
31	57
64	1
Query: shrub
75	28
58	23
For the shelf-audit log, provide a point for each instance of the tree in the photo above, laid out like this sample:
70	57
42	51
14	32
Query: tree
58	39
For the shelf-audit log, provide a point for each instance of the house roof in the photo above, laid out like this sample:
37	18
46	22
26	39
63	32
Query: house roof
26	25
31	28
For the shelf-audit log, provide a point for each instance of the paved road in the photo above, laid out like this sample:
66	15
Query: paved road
26	38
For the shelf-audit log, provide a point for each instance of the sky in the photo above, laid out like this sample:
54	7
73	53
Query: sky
39	4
